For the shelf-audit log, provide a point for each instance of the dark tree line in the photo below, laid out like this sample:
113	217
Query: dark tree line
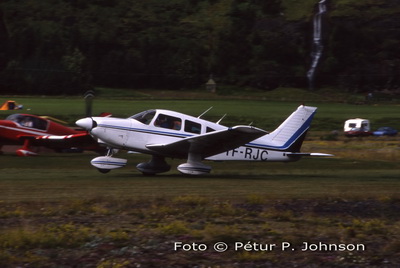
69	46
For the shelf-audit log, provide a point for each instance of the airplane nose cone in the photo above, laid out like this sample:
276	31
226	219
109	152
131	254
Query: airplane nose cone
86	123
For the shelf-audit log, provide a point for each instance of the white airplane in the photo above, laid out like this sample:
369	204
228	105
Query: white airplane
164	133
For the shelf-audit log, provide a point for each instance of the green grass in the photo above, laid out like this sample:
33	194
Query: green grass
69	176
65	215
56	210
262	113
56	207
265	114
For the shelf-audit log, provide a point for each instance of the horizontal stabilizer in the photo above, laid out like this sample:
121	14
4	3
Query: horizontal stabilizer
308	154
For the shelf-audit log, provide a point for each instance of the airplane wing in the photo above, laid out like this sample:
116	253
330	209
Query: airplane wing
81	140
210	143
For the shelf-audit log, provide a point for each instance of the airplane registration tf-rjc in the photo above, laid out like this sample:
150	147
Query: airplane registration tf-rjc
167	134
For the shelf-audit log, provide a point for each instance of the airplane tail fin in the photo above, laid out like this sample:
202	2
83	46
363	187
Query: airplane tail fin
289	136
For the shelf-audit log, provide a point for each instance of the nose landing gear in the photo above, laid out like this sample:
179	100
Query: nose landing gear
106	163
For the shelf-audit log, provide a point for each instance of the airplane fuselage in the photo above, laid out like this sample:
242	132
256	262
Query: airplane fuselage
164	133
133	135
18	125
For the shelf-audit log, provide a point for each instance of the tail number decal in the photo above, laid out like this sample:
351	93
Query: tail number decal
248	154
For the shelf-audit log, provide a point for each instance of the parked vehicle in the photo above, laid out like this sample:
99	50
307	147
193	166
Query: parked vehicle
382	131
357	127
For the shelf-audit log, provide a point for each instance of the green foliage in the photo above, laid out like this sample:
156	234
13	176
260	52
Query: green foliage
298	10
66	47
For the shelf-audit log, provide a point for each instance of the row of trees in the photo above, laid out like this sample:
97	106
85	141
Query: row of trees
69	46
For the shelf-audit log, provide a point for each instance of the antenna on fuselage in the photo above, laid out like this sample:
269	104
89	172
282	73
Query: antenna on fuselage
221	119
205	112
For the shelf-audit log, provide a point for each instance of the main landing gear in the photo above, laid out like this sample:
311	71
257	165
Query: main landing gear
156	165
194	166
25	149
106	163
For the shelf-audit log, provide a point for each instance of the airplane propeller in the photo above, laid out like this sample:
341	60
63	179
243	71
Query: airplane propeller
87	123
88	96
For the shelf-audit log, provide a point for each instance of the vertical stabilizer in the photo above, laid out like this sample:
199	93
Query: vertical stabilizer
290	134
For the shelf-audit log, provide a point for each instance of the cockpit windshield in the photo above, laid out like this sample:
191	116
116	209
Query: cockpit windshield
28	121
144	117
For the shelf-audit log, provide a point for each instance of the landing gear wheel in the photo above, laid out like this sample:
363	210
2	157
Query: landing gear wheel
104	171
156	165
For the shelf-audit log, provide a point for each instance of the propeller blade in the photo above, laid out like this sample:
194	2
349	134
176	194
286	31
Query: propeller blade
89	96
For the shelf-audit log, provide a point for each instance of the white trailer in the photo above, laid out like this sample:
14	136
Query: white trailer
357	127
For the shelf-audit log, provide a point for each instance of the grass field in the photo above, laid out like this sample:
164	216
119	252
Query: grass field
58	211
266	114
69	176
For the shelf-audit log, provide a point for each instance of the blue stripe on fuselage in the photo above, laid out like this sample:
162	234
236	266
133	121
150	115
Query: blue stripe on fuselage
142	130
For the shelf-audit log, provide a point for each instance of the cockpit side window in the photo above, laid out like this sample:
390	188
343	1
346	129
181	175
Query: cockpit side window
167	121
144	117
208	129
40	123
192	127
